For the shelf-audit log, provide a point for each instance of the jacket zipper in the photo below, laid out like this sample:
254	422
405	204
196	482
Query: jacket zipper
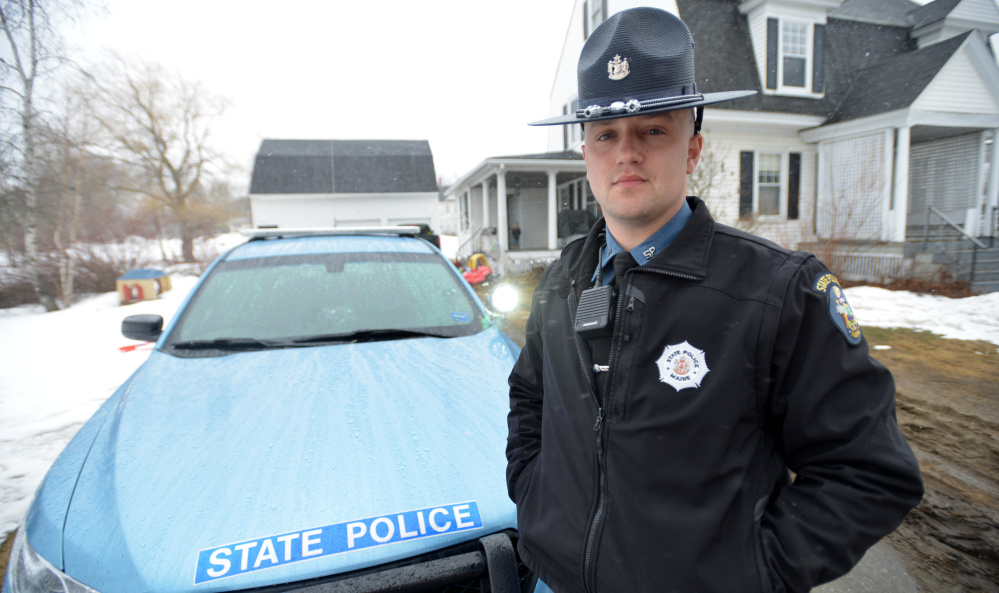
589	568
598	428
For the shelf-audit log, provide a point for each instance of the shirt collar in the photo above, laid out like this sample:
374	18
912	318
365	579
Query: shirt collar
646	250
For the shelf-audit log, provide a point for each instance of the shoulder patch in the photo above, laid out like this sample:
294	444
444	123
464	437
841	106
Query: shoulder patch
839	309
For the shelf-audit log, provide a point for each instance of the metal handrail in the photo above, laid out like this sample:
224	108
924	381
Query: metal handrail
946	219
978	244
474	244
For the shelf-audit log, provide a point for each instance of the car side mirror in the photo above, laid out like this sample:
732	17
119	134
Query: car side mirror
142	327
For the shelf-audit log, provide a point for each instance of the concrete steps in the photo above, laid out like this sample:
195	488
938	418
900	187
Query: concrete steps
956	255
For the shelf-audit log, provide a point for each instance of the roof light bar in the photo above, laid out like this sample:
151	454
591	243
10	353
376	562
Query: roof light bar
320	232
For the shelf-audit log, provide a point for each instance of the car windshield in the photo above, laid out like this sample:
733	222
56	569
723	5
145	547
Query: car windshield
299	300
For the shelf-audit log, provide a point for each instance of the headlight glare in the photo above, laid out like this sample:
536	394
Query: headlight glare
504	298
28	572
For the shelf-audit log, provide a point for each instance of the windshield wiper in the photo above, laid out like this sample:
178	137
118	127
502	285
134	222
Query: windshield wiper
230	344
369	335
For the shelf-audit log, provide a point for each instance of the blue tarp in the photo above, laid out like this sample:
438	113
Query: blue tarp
142	274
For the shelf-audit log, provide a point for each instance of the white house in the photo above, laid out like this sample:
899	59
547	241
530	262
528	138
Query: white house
343	183
867	113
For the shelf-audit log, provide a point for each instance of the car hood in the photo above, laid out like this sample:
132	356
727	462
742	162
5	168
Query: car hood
252	469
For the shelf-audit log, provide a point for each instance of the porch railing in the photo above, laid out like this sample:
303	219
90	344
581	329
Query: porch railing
481	240
931	210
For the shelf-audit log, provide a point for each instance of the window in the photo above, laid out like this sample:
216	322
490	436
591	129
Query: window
594	13
762	184
795	56
302	296
572	135
794	43
575	195
464	208
768	184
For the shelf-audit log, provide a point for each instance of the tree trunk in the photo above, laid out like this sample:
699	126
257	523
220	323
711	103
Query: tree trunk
42	290
187	244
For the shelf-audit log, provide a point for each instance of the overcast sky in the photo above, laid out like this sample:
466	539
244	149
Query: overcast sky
467	75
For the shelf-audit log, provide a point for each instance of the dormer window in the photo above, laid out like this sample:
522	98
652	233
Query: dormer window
795	57
794	53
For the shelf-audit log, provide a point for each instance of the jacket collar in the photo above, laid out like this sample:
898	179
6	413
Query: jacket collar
686	256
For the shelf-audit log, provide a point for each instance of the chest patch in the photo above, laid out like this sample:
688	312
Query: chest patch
682	366
840	311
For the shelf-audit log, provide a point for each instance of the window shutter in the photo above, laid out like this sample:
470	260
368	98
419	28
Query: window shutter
819	60
745	184
773	30
586	21
793	184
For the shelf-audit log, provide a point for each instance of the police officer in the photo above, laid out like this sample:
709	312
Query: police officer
676	371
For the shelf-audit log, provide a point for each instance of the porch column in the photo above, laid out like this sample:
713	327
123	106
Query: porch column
900	189
992	200
501	224
552	211
485	203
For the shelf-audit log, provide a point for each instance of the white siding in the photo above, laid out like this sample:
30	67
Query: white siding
957	88
758	33
976	10
319	210
723	147
855	187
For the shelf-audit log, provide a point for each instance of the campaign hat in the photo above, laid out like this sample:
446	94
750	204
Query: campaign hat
639	61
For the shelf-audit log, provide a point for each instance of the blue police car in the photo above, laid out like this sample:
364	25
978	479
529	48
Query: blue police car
326	412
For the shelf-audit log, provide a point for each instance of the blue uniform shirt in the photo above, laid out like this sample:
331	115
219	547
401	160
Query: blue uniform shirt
645	251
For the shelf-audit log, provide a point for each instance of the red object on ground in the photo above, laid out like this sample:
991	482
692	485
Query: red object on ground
478	275
134	347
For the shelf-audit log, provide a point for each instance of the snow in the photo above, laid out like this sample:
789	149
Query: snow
57	368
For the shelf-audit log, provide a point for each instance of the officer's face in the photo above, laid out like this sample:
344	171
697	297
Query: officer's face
638	166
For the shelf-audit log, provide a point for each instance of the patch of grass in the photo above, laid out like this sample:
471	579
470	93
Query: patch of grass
5	548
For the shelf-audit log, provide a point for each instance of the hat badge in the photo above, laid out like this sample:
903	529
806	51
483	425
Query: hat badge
617	68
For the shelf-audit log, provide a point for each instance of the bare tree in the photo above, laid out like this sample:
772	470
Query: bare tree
71	177
159	125
31	49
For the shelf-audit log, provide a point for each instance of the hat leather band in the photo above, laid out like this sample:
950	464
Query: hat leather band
635	105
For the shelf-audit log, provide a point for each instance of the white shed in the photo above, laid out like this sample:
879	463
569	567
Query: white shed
343	183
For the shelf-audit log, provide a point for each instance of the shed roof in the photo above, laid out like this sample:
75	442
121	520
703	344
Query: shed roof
343	167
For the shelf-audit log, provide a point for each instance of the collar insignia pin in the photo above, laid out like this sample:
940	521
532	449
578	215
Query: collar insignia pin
618	68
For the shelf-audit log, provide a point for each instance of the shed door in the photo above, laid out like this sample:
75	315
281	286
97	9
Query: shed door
945	174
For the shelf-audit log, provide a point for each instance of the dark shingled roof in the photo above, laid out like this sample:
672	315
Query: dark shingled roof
897	82
343	166
724	59
852	46
871	66
881	12
932	12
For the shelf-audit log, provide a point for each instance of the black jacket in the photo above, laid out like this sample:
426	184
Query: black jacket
623	482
